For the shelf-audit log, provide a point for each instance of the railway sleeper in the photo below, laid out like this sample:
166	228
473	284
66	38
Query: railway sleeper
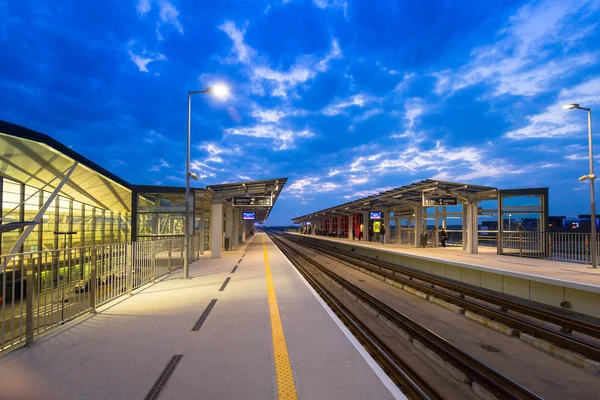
566	355
490	323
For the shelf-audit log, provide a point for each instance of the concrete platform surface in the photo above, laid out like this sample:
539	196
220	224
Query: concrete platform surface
120	352
568	274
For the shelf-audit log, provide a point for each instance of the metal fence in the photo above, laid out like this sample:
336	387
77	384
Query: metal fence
43	290
560	246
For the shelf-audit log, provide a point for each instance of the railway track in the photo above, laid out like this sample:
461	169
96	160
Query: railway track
482	378
493	307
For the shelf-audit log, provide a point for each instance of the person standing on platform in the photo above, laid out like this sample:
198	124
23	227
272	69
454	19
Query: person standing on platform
353	234
443	236
358	232
382	234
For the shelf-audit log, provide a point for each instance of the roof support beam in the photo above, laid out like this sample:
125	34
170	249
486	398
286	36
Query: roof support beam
38	217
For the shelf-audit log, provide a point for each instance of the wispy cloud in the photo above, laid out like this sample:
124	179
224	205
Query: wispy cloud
406	79
555	122
215	151
282	138
279	82
153	137
339	4
243	52
143	57
275	114
532	52
162	164
357	100
310	185
168	14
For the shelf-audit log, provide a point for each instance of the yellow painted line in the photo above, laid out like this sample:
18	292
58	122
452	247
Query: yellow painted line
286	388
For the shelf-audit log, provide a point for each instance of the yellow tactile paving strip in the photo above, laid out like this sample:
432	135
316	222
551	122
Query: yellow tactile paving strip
286	388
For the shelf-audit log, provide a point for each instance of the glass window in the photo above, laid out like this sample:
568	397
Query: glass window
11	198
49	240
32	206
98	226
77	224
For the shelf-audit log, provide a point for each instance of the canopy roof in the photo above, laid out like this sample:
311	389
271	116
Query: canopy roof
226	191
35	159
408	196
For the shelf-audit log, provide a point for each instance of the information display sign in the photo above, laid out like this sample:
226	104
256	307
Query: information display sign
375	215
252	201
440	201
408	213
249	215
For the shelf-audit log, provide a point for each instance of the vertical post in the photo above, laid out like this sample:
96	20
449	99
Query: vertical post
216	231
592	177
229	226
350	225
186	242
366	237
436	225
129	259
93	278
388	227
465	222
153	260
201	230
418	225
473	228
29	303
170	262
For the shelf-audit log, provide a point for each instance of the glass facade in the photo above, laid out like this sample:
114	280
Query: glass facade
161	214
93	225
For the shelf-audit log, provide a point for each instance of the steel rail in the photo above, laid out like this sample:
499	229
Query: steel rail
560	338
492	380
402	374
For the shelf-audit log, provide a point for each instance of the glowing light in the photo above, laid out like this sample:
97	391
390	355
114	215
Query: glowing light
570	106
220	90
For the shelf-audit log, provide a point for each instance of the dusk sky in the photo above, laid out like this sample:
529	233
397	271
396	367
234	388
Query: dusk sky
345	98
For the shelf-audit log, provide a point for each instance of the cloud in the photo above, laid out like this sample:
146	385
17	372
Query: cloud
143	6
279	82
404	82
168	14
533	51
341	4
163	164
333	172
310	185
555	122
358	100
243	52
275	114
366	193
153	137
414	108
203	170
215	151
284	139
366	115
143	58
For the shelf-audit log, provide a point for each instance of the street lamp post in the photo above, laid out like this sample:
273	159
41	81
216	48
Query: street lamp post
592	178
219	91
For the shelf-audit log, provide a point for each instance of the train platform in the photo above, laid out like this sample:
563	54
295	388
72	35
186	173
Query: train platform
544	281
246	326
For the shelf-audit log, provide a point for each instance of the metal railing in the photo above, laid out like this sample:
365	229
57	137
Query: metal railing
43	290
560	246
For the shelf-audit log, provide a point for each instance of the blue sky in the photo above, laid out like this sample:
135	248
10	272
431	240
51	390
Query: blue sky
346	98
